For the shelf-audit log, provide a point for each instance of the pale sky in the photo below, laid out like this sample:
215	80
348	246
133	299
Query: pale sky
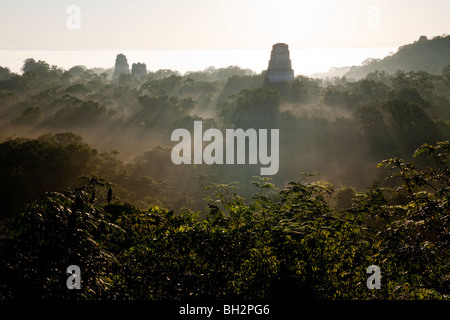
219	24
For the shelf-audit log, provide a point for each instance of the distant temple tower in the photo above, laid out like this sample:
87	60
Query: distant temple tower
280	67
138	70
121	66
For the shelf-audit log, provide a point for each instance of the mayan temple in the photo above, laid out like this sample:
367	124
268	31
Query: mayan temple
121	66
280	67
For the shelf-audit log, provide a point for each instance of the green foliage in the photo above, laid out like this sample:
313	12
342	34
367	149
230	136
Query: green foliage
427	55
240	109
5	73
45	238
412	124
416	234
39	67
31	167
29	116
284	244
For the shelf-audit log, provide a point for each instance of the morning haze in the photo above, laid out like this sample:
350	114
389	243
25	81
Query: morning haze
230	24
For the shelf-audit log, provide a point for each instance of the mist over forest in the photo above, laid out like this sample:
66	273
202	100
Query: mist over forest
340	128
109	135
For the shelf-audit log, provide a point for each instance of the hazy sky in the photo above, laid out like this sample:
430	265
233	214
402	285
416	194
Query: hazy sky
219	24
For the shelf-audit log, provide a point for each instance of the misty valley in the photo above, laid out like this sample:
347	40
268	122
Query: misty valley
226	183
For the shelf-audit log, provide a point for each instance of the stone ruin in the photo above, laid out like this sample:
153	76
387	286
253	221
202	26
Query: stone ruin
280	67
138	70
121	66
